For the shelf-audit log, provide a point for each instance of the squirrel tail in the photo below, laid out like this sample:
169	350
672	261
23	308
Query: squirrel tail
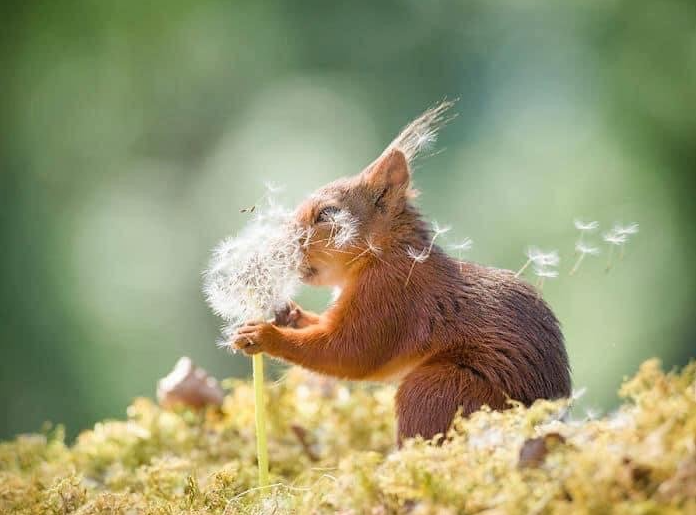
421	133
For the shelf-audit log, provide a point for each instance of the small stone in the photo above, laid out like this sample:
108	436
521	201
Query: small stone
189	386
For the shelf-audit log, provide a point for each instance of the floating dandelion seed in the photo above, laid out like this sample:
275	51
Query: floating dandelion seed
618	237
418	257
585	226
579	393
438	230
543	273
540	259
371	248
464	246
627	230
271	189
615	238
423	255
583	250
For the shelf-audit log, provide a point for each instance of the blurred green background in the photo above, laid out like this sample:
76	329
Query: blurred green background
133	132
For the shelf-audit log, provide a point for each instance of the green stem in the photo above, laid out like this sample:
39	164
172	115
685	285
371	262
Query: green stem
260	412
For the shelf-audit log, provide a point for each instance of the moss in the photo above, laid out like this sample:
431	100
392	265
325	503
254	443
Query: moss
331	451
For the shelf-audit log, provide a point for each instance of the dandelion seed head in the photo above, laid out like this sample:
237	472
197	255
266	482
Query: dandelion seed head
584	248
585	226
252	275
418	256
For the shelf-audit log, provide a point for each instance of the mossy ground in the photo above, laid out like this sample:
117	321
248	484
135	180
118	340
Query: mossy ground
332	450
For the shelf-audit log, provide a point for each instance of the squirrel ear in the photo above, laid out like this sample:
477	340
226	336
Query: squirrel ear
389	169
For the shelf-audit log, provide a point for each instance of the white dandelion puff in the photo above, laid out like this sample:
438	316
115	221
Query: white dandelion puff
421	133
257	272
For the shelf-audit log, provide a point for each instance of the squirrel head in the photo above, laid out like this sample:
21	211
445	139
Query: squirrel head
352	219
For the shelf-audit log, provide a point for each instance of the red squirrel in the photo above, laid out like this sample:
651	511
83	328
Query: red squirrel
455	335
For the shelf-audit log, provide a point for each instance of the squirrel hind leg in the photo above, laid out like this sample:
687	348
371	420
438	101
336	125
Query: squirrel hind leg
428	398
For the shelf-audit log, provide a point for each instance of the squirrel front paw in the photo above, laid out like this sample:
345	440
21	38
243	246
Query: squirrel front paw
290	316
254	337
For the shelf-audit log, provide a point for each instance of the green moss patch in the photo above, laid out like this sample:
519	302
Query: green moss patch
332	450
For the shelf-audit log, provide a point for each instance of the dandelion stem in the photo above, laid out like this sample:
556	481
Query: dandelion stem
524	267
577	263
611	258
413	265
260	416
358	256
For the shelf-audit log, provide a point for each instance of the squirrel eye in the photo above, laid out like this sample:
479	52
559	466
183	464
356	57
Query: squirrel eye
380	197
326	213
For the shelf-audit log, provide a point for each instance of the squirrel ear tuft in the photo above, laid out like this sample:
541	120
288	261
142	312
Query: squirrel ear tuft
390	169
